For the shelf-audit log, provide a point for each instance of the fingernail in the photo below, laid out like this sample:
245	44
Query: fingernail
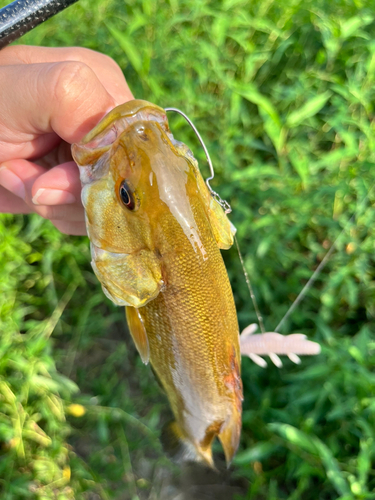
53	197
12	182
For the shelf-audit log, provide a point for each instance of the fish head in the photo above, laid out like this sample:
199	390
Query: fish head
138	185
118	186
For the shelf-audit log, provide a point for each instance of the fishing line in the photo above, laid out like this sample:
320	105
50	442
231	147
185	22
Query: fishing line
318	270
250	288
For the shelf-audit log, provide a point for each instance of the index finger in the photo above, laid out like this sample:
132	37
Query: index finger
105	68
65	98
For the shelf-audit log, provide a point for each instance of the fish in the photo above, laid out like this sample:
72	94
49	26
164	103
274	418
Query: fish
156	235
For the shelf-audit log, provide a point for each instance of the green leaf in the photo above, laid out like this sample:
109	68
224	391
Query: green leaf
256	453
300	162
315	446
267	110
309	109
294	436
252	94
366	454
350	26
128	47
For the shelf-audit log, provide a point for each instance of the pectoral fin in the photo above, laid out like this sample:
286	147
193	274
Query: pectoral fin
222	229
138	332
127	279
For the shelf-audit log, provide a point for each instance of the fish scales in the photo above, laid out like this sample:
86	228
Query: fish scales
155	232
191	314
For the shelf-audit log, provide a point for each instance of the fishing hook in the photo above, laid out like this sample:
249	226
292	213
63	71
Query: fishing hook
223	203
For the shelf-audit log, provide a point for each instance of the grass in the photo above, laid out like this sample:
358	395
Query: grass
283	95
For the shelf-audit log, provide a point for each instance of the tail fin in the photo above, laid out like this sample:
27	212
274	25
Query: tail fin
181	449
230	433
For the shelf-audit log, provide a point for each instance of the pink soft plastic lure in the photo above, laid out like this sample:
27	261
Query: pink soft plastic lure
274	344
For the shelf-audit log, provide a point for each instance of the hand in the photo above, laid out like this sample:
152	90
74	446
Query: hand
50	98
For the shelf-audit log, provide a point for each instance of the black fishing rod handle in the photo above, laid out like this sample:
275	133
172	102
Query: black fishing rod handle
22	16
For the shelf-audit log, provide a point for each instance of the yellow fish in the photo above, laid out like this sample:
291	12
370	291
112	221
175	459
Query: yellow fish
156	234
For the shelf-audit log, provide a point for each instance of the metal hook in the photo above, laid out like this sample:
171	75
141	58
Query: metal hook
223	203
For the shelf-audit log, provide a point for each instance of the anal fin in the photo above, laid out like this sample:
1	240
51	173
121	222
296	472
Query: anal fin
138	332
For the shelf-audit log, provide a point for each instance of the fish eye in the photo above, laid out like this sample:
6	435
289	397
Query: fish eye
127	196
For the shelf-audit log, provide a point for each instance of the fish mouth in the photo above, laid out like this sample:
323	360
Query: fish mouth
91	153
120	118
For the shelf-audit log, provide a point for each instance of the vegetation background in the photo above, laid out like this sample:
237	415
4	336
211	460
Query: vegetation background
283	94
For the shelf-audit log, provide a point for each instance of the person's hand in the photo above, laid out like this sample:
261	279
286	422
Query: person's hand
50	98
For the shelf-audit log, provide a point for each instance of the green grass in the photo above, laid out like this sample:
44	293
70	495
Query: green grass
283	94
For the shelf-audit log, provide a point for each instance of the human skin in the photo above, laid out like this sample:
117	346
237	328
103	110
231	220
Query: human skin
50	98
